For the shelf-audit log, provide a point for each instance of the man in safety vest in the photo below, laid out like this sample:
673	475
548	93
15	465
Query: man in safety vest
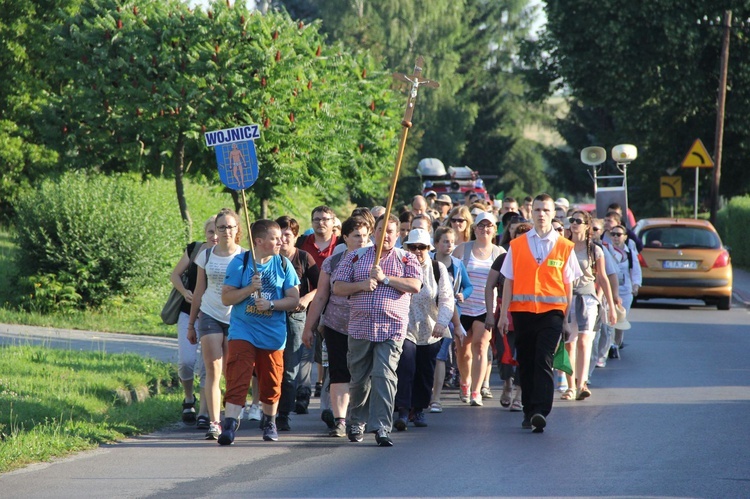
539	270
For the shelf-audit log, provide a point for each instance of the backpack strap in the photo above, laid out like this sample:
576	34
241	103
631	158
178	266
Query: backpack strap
467	253
246	260
436	271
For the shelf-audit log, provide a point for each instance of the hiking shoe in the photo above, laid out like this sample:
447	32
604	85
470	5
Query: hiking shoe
282	422
188	412
400	424
538	422
486	392
269	432
229	426
382	438
420	421
356	433
202	423
214	429
339	430
476	399
318	389
252	413
327	417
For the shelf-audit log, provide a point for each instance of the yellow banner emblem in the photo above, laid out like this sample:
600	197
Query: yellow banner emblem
555	263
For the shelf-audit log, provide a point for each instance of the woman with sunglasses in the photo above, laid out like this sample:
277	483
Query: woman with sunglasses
430	312
213	326
629	277
460	220
583	312
472	351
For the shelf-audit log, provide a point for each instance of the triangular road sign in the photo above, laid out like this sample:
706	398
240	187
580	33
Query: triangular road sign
697	156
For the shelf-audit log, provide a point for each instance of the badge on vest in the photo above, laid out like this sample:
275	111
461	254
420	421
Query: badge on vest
555	263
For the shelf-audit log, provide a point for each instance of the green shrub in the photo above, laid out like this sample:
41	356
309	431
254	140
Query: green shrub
731	222
102	235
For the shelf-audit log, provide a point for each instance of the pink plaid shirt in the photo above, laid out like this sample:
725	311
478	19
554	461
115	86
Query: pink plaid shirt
382	314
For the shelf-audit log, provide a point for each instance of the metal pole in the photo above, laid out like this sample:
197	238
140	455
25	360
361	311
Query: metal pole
695	207
671	208
719	137
249	232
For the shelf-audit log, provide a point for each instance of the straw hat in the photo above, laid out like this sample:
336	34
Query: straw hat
622	321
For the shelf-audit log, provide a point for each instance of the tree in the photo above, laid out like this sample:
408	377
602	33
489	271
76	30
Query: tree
139	82
647	76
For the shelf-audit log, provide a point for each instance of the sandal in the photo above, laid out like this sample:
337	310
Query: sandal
583	393
436	407
516	406
568	394
505	397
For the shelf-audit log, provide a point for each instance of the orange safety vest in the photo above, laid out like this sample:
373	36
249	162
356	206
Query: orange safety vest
539	288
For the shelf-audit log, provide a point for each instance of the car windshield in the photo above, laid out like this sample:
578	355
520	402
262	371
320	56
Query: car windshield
679	237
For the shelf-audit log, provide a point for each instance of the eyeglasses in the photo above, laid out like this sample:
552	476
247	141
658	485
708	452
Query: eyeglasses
224	228
418	247
616	234
596	229
322	220
458	220
559	229
578	221
485	226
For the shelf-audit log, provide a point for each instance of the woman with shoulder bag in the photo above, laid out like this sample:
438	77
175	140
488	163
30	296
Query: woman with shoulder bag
188	361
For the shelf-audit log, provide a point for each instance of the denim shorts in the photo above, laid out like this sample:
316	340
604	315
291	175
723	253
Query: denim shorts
208	325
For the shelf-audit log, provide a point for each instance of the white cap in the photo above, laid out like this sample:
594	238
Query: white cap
485	215
476	211
562	202
418	236
430	193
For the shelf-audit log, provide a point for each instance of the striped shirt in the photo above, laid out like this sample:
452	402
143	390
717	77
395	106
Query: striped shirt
478	271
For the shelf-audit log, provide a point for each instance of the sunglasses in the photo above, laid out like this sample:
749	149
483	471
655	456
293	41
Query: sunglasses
559	229
616	234
578	221
458	220
418	247
596	229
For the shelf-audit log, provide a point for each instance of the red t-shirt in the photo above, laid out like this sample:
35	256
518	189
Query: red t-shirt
308	244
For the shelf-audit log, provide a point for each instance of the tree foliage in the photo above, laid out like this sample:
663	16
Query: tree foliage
646	76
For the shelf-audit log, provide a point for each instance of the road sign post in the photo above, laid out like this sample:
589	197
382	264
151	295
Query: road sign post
697	157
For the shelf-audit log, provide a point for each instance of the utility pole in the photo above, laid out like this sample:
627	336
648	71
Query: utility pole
721	101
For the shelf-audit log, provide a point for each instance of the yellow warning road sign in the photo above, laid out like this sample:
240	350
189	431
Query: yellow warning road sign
698	157
671	187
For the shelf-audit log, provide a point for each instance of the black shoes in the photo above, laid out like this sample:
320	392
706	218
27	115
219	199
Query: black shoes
382	438
282	422
229	426
303	400
526	423
327	417
318	389
356	433
188	412
538	422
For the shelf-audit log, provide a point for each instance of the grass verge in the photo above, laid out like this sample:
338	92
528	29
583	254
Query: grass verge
56	402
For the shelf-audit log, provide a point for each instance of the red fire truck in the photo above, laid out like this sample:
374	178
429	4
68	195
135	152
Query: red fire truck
454	181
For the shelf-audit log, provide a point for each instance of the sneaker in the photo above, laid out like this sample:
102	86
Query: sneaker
327	416
214	429
476	399
382	438
486	392
420	421
356	433
202	423
269	432
614	352
538	422
602	362
339	430
436	407
252	412
229	427
400	424
463	396
318	389
188	412
282	422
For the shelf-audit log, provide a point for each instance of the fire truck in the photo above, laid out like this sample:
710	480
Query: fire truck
454	181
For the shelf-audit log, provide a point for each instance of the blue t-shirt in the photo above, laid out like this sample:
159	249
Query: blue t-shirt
265	330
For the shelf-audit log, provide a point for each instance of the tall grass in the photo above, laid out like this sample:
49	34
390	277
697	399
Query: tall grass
54	402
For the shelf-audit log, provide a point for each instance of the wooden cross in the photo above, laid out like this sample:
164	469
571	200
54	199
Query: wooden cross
416	81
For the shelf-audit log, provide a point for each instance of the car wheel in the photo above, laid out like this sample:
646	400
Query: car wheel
724	303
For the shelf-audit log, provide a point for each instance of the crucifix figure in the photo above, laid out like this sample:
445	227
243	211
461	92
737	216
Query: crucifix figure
416	81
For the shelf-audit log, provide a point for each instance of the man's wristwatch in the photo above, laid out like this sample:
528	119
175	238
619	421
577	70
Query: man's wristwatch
271	307
386	281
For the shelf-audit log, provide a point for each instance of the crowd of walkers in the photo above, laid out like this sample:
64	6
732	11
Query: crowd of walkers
455	290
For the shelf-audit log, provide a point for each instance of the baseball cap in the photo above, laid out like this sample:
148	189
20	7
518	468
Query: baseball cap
563	203
485	215
430	193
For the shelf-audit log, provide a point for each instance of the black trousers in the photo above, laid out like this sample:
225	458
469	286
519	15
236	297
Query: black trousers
537	336
416	372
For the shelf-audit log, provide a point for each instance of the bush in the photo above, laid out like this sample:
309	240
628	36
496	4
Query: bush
104	236
731	223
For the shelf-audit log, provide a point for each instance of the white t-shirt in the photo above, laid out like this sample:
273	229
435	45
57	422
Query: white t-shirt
215	272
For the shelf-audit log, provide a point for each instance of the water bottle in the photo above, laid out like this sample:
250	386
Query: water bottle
324	354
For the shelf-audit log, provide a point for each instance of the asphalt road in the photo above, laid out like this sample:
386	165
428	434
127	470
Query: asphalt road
666	420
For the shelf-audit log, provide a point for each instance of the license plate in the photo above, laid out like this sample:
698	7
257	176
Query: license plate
680	264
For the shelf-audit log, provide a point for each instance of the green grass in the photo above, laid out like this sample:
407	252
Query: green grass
55	402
